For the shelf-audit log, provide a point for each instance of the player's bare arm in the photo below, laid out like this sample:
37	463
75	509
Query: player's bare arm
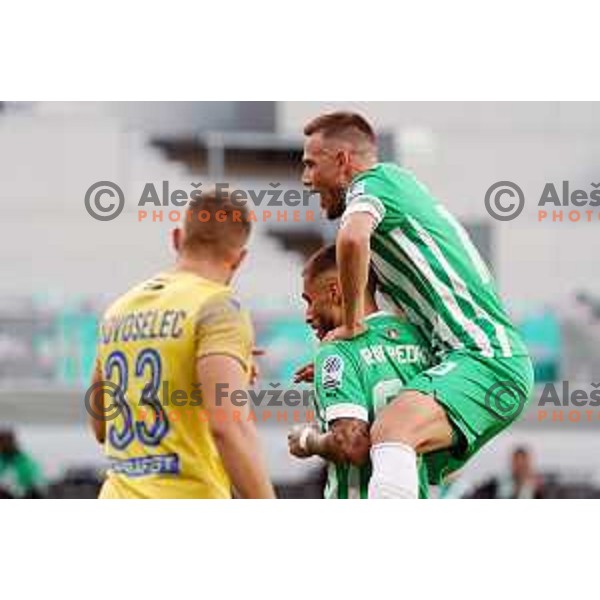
305	374
234	434
255	368
97	424
353	259
347	441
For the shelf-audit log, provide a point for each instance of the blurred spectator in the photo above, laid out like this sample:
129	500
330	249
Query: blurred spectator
522	482
80	483
5	494
20	475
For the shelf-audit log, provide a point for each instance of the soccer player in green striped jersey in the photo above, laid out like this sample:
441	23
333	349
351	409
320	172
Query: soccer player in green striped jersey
430	271
354	379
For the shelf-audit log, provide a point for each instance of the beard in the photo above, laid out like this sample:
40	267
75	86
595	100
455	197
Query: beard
337	205
326	325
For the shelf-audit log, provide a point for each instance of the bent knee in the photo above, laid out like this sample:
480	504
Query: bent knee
413	418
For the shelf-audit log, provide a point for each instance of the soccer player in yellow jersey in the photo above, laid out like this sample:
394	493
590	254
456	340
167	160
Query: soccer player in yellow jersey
170	352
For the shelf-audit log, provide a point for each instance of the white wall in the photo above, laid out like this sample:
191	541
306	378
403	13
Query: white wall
170	118
50	244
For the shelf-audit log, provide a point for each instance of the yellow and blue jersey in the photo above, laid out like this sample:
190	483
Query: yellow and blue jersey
159	445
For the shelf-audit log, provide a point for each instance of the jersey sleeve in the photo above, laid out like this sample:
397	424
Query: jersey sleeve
364	196
338	386
224	328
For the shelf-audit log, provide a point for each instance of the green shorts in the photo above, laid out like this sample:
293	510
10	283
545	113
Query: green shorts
481	396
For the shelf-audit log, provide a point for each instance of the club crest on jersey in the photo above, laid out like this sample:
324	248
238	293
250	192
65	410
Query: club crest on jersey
332	370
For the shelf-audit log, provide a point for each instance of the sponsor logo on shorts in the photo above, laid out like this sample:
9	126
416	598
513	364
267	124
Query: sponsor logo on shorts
442	369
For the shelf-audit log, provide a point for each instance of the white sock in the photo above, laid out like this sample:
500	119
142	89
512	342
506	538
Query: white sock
394	472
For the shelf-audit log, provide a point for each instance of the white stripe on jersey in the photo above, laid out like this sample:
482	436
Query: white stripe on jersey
477	334
346	410
478	263
394	277
332	486
366	204
459	285
353	483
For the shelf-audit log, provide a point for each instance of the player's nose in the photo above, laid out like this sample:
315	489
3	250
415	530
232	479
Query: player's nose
306	178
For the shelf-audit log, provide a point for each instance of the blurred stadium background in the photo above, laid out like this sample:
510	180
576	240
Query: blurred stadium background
61	267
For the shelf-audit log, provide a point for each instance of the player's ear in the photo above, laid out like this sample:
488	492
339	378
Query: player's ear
176	235
335	293
343	158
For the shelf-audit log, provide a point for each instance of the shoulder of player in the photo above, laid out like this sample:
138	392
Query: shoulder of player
119	304
123	301
198	286
222	294
380	174
346	350
332	362
363	183
218	304
189	288
383	191
387	182
395	328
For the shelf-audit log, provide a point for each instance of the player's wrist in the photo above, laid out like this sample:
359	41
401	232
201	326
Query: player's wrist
309	440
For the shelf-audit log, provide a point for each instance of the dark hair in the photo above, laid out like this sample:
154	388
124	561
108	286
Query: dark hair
521	451
8	442
341	124
212	220
325	259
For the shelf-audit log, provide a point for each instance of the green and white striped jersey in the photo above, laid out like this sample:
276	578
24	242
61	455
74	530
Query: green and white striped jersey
428	267
356	378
